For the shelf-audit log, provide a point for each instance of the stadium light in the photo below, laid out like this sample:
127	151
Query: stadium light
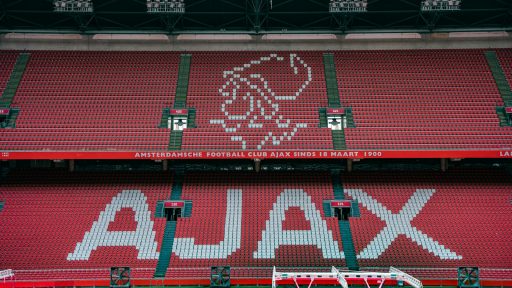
440	5
73	6
166	6
347	6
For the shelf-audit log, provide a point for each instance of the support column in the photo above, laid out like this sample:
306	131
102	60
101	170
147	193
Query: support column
257	165
71	165
444	164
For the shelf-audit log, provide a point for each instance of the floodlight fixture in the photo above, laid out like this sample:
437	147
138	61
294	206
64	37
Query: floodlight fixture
347	6
73	6
166	6
440	5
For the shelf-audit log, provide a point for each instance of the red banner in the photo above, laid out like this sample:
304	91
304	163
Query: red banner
244	154
508	110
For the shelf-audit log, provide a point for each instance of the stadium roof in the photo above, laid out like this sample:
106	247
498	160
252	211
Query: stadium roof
242	16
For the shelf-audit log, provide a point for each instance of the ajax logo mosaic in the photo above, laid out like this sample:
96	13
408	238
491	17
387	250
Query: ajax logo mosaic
252	105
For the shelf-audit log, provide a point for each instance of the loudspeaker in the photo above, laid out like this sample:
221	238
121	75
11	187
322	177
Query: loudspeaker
468	277
120	277
220	276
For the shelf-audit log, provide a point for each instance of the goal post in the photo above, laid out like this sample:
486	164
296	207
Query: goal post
339	277
406	278
308	278
344	277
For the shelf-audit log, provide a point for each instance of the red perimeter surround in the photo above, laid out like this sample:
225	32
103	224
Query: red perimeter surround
245	154
255	281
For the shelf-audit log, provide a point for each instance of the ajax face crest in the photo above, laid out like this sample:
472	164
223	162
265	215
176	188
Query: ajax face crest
252	101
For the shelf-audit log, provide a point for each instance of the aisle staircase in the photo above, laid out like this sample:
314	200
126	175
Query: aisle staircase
344	226
502	84
331	83
333	98
170	227
338	140
166	249
499	77
180	100
175	140
14	80
348	245
337	188
177	185
10	90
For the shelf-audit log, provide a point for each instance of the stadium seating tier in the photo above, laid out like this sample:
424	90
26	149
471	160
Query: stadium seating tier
411	99
419	221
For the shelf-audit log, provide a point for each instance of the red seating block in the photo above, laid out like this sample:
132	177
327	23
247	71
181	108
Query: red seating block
469	213
47	213
259	194
421	99
93	101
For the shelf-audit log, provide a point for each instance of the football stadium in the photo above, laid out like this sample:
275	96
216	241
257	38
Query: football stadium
255	143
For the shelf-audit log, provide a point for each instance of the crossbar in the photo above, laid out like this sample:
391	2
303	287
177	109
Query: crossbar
342	277
311	276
